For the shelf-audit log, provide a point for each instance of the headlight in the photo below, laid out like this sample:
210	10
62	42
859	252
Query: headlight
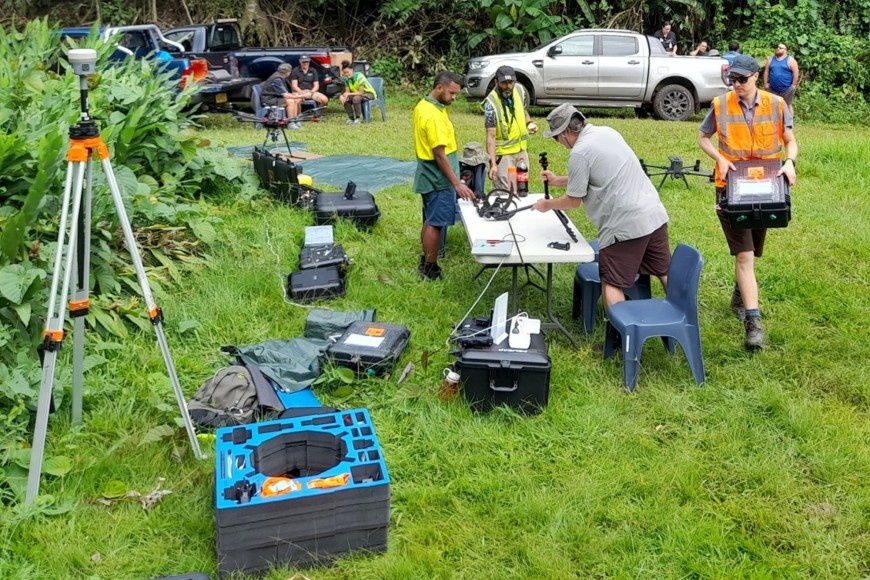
477	64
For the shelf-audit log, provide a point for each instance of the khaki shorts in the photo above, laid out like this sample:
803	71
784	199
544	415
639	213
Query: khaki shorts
504	161
620	263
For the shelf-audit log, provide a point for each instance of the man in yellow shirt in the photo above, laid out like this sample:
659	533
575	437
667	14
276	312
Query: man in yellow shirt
437	176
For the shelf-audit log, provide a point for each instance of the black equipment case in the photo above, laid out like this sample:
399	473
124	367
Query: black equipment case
277	175
499	374
369	347
357	206
321	256
316	283
755	198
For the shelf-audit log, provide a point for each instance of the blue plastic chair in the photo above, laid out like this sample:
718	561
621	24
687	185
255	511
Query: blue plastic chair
587	291
260	110
378	85
674	318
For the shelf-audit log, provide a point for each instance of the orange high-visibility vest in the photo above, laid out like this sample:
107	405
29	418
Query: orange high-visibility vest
736	141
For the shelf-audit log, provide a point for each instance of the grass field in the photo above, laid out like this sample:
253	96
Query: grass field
762	472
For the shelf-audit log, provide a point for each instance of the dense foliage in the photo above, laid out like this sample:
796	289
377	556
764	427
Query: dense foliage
409	39
163	169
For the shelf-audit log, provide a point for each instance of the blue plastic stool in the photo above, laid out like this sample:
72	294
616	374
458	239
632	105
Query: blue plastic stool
587	292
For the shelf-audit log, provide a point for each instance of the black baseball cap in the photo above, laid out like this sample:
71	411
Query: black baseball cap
505	73
304	58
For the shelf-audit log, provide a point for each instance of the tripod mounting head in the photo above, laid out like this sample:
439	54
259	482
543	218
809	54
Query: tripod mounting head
542	159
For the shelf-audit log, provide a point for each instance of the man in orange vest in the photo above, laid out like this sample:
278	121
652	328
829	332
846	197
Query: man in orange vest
749	124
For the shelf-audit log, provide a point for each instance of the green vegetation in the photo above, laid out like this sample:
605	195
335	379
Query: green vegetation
409	40
762	472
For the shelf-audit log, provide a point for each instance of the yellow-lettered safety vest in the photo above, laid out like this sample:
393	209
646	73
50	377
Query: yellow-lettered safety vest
736	141
510	134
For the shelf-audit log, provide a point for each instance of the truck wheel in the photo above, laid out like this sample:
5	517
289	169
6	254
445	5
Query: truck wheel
674	103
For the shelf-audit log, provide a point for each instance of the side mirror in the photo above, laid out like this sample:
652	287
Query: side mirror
554	50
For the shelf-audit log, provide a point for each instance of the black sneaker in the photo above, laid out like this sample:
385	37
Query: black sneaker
429	271
737	306
754	334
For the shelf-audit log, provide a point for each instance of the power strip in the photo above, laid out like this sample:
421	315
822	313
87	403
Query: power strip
522	329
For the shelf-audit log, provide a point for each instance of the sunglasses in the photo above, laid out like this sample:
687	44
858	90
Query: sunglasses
741	80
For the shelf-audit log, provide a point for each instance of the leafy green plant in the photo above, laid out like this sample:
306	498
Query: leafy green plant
165	171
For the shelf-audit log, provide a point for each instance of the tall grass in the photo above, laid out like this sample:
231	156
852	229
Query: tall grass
761	472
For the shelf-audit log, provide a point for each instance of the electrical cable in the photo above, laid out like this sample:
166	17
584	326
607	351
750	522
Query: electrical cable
280	275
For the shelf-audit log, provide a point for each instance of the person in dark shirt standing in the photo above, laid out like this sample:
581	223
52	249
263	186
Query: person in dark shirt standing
304	84
668	38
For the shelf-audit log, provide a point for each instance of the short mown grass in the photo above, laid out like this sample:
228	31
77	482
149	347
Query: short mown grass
761	472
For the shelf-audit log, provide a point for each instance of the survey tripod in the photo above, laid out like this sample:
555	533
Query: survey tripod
71	273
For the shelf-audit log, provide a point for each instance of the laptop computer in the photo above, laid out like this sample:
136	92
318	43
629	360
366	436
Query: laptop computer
482	247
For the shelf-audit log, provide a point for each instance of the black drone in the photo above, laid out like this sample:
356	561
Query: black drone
675	170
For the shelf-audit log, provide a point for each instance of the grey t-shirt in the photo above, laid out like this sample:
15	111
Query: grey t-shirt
619	198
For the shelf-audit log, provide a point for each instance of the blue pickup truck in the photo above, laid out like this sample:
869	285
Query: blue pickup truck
221	44
147	41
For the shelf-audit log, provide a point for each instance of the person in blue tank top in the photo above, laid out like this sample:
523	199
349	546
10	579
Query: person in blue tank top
781	75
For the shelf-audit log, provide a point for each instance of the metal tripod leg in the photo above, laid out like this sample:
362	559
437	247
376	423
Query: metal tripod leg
81	292
72	200
78	250
154	313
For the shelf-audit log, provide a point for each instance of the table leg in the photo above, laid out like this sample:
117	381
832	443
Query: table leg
554	323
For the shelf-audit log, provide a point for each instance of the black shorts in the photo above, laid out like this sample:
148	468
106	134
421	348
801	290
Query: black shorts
620	263
740	241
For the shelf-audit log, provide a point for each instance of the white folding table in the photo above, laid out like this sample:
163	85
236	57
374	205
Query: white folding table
533	232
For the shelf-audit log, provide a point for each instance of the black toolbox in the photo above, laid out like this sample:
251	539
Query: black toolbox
357	206
315	283
369	347
277	175
322	256
498	374
755	198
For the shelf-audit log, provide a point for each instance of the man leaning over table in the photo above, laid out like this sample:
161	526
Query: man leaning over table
606	177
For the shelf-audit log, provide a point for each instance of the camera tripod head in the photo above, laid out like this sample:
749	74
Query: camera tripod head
84	64
542	159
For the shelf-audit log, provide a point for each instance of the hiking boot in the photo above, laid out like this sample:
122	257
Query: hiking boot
754	334
429	271
737	306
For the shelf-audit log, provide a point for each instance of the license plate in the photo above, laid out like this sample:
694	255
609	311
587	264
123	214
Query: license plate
220	98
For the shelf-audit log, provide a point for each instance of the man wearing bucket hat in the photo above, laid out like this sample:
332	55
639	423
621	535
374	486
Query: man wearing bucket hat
606	177
508	126
749	124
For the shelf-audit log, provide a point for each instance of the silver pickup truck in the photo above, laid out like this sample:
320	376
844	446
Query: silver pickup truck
608	68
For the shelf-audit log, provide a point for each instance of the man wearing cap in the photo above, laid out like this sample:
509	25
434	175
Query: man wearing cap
276	93
304	85
437	177
749	124
508	125
606	177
